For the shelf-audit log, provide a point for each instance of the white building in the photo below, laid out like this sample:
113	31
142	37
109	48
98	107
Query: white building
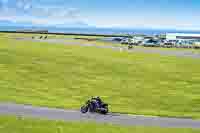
182	36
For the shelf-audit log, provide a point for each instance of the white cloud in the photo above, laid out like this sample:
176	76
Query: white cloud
157	21
36	13
26	11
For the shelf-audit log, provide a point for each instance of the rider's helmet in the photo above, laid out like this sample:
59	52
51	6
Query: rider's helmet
99	99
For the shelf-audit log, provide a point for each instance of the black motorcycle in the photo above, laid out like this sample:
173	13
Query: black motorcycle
94	106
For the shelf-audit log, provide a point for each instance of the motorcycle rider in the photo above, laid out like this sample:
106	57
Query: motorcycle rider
97	100
95	104
130	44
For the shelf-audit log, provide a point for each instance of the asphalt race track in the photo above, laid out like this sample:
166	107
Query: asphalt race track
177	53
75	115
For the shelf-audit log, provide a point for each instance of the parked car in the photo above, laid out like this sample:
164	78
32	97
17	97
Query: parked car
117	39
151	43
124	41
169	43
196	45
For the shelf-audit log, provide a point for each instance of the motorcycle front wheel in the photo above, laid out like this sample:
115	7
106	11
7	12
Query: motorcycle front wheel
84	109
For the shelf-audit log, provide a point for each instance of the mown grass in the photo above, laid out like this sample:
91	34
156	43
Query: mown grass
66	76
20	125
68	38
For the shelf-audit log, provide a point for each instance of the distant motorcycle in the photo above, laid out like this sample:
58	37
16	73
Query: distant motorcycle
130	46
95	105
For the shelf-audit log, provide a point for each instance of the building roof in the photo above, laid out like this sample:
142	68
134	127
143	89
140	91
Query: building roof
174	36
183	34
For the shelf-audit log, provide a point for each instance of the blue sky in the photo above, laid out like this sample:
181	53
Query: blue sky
175	14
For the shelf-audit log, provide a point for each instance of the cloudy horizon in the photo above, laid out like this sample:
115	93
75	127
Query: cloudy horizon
160	14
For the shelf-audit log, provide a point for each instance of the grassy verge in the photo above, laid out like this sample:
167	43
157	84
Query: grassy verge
91	42
65	76
68	38
49	35
20	125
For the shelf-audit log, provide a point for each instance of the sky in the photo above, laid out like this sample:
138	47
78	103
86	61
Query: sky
167	14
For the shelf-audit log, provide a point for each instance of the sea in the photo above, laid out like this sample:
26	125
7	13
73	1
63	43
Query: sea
92	30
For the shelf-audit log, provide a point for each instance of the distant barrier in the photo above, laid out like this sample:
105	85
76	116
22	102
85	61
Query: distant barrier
56	33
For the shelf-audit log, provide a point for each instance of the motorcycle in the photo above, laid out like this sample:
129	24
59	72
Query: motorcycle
94	107
130	46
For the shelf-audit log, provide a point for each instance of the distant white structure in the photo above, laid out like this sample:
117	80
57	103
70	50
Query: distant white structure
182	36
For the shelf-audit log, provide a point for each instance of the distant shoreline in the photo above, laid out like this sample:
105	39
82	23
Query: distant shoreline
97	31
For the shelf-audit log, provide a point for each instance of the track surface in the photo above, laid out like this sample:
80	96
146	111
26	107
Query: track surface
178	53
73	115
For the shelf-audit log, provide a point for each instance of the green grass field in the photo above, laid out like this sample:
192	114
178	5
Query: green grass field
68	38
66	76
21	125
